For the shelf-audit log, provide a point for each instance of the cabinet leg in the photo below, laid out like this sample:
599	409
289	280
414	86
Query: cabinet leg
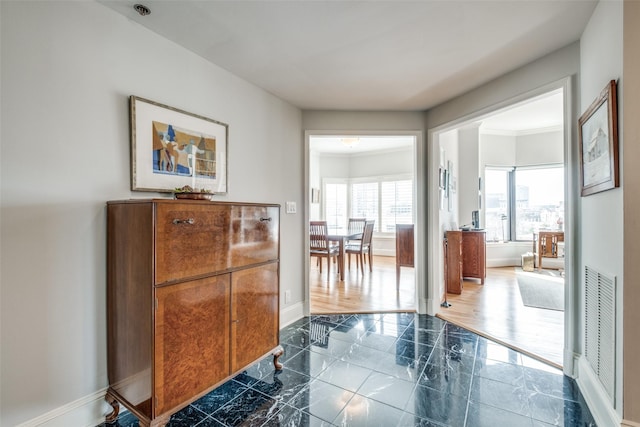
276	355
113	415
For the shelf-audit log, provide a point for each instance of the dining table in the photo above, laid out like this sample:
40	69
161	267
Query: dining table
341	236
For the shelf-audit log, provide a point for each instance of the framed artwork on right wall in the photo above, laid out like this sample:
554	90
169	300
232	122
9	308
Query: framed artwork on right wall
598	135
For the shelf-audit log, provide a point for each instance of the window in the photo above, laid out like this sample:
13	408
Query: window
496	190
520	201
387	200
335	204
539	200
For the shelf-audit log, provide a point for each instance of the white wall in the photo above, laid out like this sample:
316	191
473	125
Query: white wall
68	68
468	168
539	149
601	228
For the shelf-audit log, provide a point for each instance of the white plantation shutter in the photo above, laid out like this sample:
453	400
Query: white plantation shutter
335	199
396	204
364	200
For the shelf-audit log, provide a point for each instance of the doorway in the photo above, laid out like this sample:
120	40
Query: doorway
526	138
372	176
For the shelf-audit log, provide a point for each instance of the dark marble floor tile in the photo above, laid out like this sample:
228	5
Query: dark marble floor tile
251	408
500	395
388	369
387	389
364	412
213	401
369	338
345	375
322	400
421	336
480	415
500	371
436	406
333	347
411	350
452	360
209	422
444	378
289	416
560	412
412	420
282	385
430	323
187	417
309	363
554	384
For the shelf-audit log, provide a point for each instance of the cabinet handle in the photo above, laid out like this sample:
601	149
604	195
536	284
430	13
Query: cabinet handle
183	221
265	219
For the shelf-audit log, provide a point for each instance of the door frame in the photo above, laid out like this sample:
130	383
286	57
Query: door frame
419	176
435	260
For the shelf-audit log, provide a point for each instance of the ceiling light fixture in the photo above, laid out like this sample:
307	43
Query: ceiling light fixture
142	9
350	142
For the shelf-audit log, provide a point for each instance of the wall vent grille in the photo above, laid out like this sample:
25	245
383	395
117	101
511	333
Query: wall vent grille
600	333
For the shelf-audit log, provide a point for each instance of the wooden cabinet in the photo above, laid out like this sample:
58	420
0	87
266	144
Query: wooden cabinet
192	299
474	255
465	256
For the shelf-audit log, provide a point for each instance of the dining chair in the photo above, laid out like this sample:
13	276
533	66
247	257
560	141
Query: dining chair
319	244
362	248
355	226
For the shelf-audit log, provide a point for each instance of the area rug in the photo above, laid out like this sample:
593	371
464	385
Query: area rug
541	290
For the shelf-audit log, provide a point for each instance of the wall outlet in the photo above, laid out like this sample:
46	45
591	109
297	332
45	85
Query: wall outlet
287	297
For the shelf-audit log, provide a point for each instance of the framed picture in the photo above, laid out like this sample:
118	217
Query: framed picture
598	134
171	148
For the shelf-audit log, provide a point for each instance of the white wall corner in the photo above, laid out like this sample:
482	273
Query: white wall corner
88	411
290	314
597	399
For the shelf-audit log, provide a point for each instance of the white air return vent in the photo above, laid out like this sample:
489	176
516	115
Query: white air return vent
600	331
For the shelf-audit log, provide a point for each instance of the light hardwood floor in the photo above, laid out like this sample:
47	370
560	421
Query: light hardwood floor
361	293
493	310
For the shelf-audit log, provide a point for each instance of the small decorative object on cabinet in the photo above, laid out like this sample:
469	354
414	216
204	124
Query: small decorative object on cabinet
192	299
404	248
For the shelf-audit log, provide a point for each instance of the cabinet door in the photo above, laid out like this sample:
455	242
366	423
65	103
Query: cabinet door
470	256
191	240
191	339
254	234
254	314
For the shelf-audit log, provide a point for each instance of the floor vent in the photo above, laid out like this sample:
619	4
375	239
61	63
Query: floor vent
600	333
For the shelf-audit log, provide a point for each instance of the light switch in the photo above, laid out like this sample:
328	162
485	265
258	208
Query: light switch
291	207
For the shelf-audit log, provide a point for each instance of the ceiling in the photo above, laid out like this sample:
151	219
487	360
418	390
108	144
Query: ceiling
387	55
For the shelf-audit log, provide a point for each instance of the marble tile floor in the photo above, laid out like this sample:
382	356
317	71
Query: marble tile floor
389	369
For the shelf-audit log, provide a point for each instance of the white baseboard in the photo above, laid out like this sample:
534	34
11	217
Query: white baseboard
88	411
597	399
504	262
290	314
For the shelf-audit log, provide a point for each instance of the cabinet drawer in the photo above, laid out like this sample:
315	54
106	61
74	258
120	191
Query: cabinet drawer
254	234
191	240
